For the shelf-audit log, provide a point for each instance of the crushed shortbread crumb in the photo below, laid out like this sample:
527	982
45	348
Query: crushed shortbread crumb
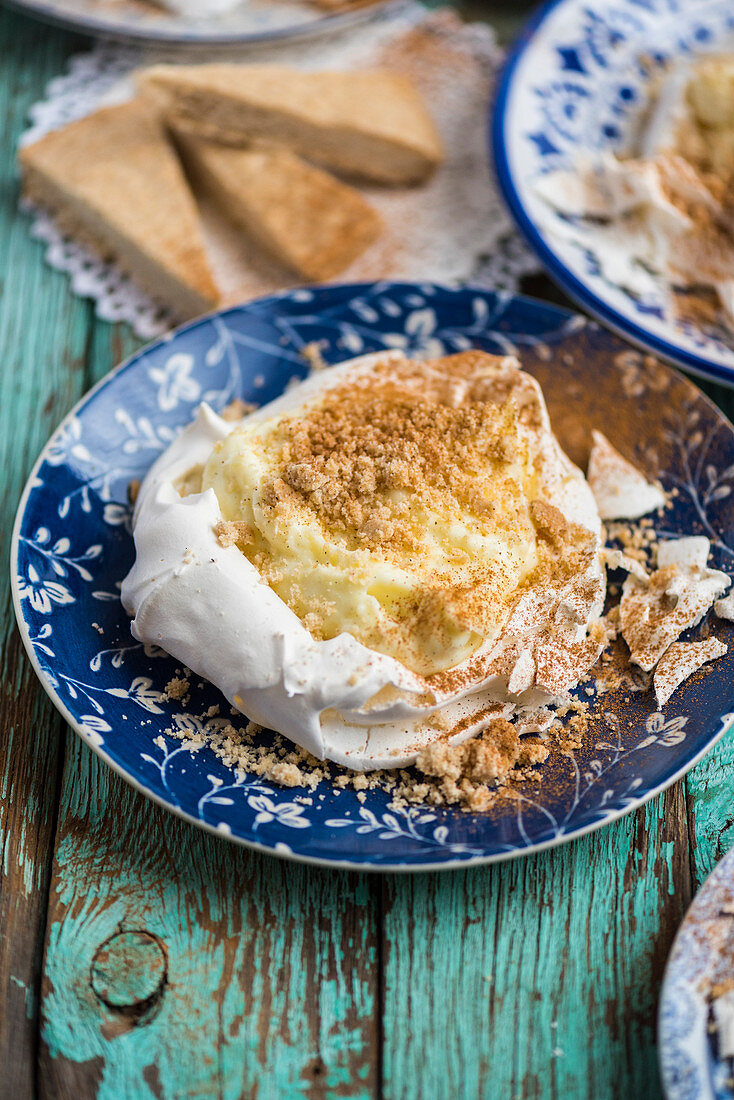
238	409
638	540
178	688
233	533
312	353
467	776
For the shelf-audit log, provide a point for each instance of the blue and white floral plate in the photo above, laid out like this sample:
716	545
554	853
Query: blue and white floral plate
702	958
144	22
575	84
72	547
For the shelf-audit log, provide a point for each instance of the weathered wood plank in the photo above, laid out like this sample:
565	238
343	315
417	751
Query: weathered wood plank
41	375
537	978
246	976
711	809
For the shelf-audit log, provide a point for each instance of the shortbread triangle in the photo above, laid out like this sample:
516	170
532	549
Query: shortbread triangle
303	217
113	181
371	124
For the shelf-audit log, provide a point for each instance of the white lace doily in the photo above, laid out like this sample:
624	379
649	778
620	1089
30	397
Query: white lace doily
454	228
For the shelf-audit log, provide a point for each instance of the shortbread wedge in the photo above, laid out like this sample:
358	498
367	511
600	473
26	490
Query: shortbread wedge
303	217
113	181
373	125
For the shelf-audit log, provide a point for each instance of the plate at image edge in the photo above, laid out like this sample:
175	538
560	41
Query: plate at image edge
575	83
72	546
143	21
700	965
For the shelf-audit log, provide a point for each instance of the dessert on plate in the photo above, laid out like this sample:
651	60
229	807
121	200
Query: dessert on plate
397	554
663	208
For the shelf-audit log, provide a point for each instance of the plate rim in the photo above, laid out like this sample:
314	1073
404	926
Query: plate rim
101	30
724	866
701	366
355	865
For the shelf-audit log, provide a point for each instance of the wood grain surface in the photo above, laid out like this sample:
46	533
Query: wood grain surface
140	957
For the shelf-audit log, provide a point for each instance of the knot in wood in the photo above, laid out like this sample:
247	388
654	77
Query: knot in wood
129	970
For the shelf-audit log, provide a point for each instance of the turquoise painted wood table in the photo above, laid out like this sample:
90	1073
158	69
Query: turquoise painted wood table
142	958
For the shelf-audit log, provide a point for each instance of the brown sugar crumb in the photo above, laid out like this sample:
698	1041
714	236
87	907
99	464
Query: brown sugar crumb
312	353
177	689
237	409
288	775
638	539
467	775
233	533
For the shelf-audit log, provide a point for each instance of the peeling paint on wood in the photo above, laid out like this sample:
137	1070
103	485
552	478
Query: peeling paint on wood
538	978
245	976
38	357
129	971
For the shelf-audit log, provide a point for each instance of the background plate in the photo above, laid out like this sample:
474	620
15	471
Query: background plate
72	547
575	83
701	957
139	21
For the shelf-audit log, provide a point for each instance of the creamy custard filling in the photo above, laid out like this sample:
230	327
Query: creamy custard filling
384	512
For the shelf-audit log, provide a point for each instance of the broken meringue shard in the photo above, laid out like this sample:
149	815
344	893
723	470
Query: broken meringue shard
725	608
655	611
681	661
620	490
